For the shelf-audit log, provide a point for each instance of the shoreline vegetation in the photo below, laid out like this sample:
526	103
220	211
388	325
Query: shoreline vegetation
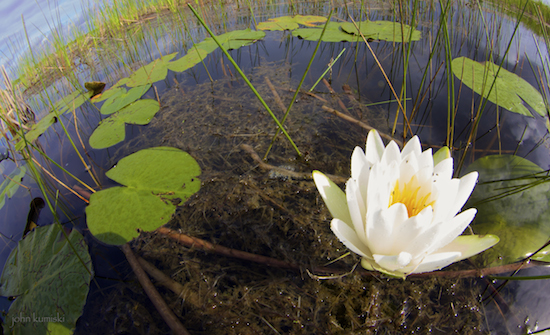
67	50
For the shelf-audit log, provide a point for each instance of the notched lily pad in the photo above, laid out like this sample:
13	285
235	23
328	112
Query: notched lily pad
510	91
156	180
192	58
150	73
333	33
48	281
234	39
291	22
121	98
383	30
509	208
112	130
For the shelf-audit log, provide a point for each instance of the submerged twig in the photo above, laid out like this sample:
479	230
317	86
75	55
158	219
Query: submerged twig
283	171
187	295
153	294
199	244
360	124
275	94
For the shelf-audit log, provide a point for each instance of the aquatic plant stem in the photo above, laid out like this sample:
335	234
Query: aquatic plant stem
481	108
153	294
299	85
199	244
328	69
384	74
245	79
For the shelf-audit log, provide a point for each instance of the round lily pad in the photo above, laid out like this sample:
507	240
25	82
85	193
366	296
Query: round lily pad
156	180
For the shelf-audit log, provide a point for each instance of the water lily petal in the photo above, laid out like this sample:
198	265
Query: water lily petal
408	168
443	170
436	261
412	147
357	209
406	235
381	181
358	162
446	194
391	154
374	148
380	230
425	168
334	197
393	262
347	235
467	184
448	231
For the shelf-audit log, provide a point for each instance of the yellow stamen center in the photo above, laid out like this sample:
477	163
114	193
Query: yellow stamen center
412	196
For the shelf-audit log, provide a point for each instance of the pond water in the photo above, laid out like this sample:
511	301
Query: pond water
268	210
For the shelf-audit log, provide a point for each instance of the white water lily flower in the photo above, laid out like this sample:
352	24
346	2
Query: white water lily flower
399	211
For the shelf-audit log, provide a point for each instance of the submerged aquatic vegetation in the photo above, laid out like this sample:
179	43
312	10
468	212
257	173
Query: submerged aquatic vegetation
399	212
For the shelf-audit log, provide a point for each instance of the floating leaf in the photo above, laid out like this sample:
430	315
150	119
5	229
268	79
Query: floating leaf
122	98
47	280
291	22
111	130
10	185
234	39
383	30
71	102
193	57
37	129
510	91
333	33
509	208
150	73
113	91
156	180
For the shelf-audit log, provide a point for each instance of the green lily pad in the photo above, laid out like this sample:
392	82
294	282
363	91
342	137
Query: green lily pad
156	180
150	73
10	185
71	102
37	129
333	33
112	130
233	39
291	22
192	58
121	98
66	104
509	92
383	30
509	208
113	91
49	282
